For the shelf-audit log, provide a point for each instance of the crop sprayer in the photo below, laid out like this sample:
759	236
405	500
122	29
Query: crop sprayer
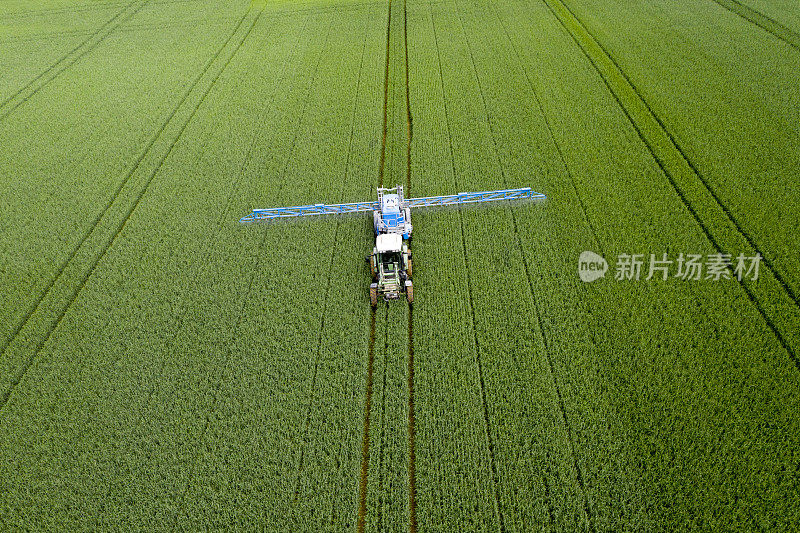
390	261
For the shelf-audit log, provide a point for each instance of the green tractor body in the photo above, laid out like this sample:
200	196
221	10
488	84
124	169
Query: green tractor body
390	264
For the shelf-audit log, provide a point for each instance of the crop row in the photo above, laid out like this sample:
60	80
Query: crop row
725	179
624	407
211	372
761	14
60	202
187	371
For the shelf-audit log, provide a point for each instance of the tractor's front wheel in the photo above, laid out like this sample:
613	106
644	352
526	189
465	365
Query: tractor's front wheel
373	296
409	269
410	292
373	267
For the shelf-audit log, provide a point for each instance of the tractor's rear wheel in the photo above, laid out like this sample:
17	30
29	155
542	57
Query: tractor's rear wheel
409	269
410	293
373	267
373	296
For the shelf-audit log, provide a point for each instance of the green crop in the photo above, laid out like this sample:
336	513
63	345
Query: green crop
164	367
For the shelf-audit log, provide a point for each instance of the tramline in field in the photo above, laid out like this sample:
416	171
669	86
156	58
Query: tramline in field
390	261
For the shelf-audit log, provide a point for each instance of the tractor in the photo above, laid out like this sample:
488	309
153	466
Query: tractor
390	261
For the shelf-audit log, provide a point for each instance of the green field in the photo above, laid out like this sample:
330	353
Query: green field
164	367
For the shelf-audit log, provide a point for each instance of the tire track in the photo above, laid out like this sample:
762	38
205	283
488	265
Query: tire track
597	240
382	435
361	524
55	323
412	435
112	24
245	164
113	198
487	434
562	410
412	439
365	441
409	118
623	91
762	21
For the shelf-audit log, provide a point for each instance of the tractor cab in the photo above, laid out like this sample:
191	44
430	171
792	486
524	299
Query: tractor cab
390	264
393	214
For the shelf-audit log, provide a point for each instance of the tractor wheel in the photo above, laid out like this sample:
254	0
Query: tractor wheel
373	267
409	269
373	296
410	294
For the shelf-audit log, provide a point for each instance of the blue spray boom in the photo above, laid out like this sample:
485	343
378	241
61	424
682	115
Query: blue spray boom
391	212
